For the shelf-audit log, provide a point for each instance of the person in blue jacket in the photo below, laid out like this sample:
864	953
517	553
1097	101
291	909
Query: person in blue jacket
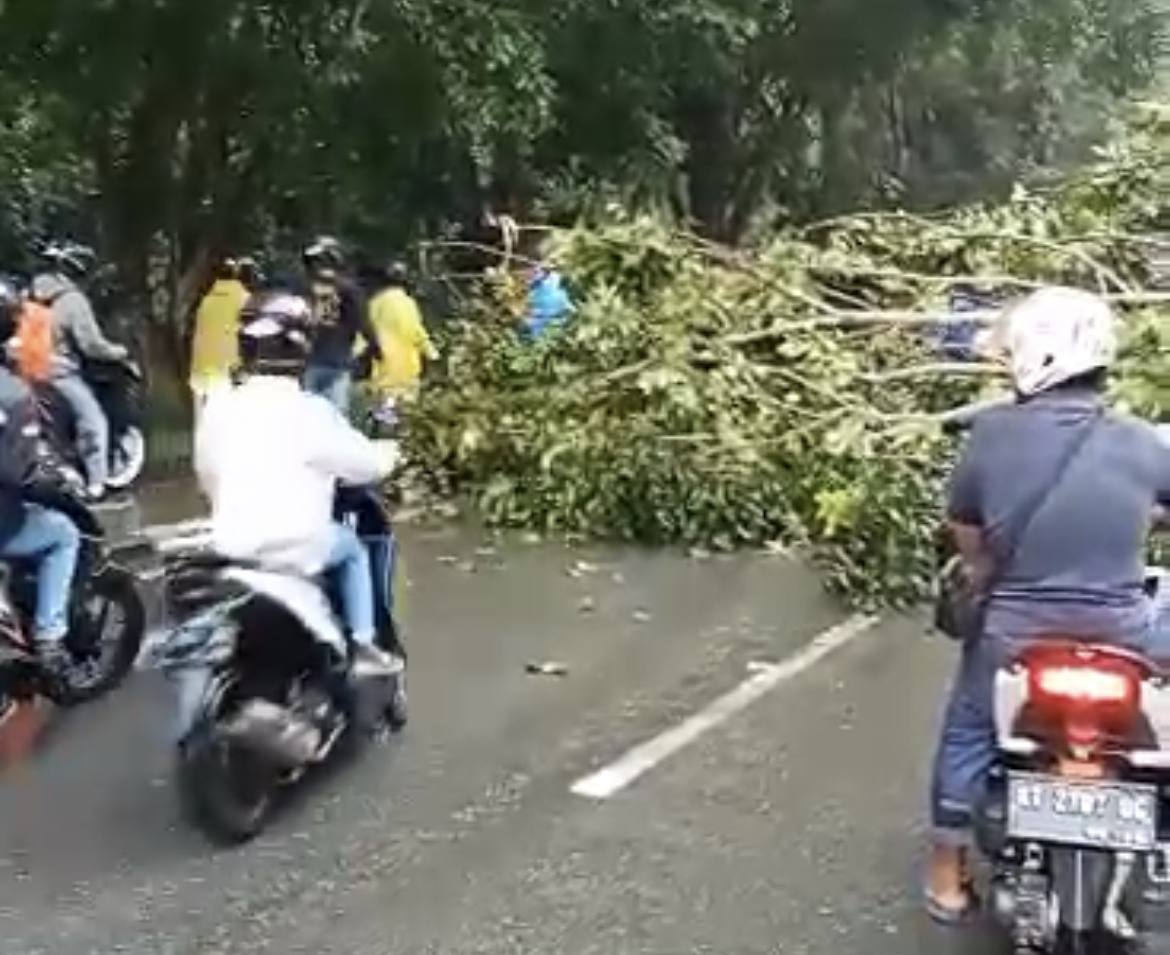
549	304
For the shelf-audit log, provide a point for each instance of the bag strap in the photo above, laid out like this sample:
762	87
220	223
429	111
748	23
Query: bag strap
1024	517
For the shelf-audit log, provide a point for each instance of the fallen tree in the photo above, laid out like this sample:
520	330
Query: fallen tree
786	394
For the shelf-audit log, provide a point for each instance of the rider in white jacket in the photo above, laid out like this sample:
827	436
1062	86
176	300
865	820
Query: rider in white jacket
269	456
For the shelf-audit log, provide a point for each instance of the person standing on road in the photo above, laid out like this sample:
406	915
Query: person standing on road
214	347
77	336
339	315
1090	481
402	336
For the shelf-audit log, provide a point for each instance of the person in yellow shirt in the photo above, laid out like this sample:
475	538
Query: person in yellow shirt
405	343
214	349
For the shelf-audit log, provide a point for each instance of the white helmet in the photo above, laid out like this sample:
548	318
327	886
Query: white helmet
1054	335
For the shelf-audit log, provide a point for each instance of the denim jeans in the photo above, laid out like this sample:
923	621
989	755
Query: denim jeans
51	539
331	383
93	430
349	563
967	744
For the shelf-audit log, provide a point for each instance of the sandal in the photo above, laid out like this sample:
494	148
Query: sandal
950	916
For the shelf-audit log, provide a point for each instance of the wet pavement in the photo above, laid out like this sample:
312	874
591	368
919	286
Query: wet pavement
790	827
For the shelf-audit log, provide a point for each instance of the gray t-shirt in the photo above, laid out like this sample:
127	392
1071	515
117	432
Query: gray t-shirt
1080	566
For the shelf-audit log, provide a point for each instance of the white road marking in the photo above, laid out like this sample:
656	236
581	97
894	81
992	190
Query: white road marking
642	758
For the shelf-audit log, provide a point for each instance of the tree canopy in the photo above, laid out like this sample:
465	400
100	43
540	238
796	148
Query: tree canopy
169	130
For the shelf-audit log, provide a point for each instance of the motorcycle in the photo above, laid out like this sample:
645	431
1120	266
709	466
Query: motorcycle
263	677
107	618
1075	820
117	385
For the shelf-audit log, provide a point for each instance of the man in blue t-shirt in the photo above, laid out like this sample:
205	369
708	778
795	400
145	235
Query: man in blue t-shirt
1050	507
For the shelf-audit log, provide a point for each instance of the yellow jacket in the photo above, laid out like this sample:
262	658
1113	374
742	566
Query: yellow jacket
398	322
215	349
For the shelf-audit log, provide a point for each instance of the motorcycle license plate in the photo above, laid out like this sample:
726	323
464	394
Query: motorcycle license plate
1101	815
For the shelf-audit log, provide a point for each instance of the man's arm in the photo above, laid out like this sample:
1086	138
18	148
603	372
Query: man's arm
1162	474
207	450
361	320
82	326
965	517
343	452
418	332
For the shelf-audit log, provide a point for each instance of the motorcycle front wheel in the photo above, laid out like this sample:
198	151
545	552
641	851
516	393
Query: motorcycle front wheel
226	791
106	635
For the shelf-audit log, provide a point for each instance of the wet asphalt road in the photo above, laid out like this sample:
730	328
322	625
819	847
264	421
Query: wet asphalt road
794	827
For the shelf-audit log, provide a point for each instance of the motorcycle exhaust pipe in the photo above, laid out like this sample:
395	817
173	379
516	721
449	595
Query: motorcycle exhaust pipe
275	733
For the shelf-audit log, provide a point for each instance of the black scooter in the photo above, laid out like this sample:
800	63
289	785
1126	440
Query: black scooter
263	679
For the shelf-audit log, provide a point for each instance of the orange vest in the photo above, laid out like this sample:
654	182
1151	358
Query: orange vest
35	355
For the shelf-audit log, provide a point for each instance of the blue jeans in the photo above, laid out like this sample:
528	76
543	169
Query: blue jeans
967	745
51	539
93	430
349	563
331	383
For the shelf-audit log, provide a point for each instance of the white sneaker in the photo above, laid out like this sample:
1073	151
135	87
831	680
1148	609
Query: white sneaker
372	661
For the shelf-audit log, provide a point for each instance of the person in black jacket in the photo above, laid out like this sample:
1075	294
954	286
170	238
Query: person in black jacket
29	531
339	314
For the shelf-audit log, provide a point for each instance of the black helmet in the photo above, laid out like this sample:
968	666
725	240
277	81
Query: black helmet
244	269
274	334
397	274
70	258
11	302
324	254
249	272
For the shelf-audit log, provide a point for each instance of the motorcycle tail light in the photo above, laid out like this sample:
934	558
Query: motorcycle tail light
1086	699
1085	685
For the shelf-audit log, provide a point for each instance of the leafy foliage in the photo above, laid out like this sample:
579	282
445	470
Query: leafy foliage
786	392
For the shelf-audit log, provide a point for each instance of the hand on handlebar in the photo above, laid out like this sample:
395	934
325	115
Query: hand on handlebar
390	454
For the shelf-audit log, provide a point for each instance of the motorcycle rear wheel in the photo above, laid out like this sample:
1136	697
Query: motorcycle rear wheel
127	460
225	791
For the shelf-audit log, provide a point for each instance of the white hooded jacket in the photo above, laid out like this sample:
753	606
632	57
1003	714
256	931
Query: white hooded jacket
269	457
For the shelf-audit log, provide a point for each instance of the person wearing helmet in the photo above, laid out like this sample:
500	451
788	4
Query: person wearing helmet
339	316
403	337
269	457
29	531
214	347
77	336
1050	508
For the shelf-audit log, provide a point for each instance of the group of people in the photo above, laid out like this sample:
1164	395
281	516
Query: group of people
383	340
274	366
47	332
